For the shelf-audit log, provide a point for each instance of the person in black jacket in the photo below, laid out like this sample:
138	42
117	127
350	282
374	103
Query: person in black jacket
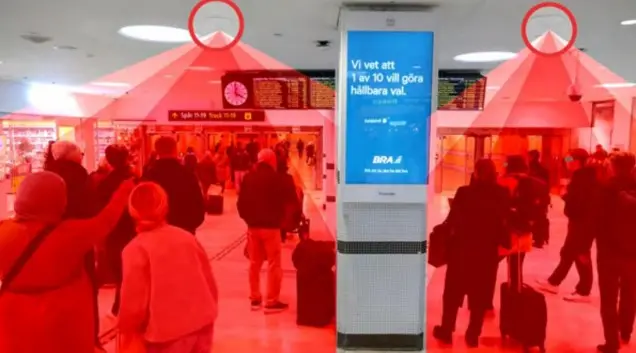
64	158
616	252
262	203
581	208
240	165
477	219
117	157
190	160
187	208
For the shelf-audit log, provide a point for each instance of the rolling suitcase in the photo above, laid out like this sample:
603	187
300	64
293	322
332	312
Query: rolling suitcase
315	283
214	200
214	204
524	313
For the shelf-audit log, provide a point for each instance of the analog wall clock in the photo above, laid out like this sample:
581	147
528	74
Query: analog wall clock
235	93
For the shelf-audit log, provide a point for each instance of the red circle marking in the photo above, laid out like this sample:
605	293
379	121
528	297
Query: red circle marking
239	15
543	5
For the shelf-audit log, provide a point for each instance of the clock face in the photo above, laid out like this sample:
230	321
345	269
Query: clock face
235	93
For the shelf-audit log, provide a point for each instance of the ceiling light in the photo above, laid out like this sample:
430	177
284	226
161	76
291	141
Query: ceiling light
163	34
629	22
111	84
200	68
485	56
617	85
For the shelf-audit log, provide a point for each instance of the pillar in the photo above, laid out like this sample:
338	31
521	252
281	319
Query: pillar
386	79
329	170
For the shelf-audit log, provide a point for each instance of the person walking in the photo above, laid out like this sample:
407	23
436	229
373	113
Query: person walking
581	208
240	165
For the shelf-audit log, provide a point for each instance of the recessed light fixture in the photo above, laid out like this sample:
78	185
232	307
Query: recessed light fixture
485	56
163	34
110	84
200	68
617	85
629	22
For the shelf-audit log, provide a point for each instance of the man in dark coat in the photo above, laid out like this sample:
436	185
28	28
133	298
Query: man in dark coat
187	208
616	252
581	208
477	219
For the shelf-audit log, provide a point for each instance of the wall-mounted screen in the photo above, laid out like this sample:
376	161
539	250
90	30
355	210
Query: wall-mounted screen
461	90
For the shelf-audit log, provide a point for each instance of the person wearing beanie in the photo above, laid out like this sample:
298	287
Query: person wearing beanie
169	294
262	203
48	306
117	157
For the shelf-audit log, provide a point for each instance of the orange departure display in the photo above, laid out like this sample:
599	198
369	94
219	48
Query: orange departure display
216	115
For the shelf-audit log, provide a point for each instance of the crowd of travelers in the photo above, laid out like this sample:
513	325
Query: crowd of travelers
68	222
499	217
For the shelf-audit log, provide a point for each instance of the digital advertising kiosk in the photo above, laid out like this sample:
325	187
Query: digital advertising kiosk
387	75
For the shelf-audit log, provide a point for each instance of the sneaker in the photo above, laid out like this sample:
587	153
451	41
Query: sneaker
443	335
626	337
604	348
577	298
256	304
276	307
545	286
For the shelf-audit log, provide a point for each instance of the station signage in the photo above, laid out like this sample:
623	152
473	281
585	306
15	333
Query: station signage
245	116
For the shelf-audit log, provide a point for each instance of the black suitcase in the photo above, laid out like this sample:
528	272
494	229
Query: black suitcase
315	283
523	314
214	204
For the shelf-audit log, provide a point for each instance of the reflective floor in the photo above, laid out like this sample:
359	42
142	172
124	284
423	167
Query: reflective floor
573	327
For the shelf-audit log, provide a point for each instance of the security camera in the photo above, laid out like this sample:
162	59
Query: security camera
574	93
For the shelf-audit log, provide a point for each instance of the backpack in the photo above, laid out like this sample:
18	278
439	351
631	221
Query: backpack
528	204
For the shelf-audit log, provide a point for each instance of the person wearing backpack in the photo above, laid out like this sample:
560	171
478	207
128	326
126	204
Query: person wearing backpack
581	207
616	252
529	199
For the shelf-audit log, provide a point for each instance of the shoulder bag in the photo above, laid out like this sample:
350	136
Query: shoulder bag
22	260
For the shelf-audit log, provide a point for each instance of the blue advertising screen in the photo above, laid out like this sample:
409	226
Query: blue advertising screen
389	92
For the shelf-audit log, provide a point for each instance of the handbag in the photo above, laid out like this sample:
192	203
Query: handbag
439	243
131	343
22	260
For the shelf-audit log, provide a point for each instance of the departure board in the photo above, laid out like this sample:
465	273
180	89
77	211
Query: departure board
316	89
280	89
461	90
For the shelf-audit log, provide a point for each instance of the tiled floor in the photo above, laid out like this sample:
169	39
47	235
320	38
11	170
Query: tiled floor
572	327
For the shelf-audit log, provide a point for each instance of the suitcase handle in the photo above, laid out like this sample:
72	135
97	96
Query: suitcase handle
520	275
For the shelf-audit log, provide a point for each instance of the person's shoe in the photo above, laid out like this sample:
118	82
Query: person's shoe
545	286
256	304
626	337
472	341
577	298
442	335
604	348
276	307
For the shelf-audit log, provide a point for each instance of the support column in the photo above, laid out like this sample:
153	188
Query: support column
386	80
